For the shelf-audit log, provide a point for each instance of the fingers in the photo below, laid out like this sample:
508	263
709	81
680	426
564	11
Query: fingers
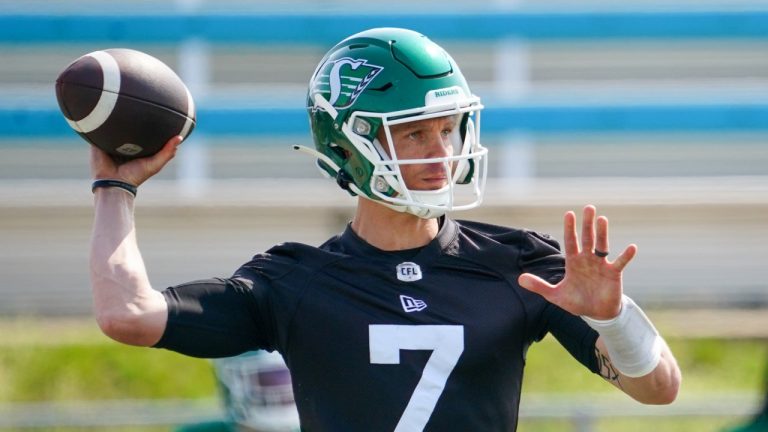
588	229
591	236
594	232
601	241
174	142
570	238
157	161
135	171
535	284
168	151
625	257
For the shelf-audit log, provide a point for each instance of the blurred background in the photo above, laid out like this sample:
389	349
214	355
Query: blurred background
655	112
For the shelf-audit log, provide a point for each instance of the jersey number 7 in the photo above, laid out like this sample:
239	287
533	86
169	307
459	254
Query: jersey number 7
447	342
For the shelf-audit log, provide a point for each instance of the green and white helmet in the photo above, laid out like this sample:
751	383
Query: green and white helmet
379	78
257	391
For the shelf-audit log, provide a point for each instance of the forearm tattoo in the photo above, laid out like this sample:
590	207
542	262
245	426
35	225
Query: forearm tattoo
606	368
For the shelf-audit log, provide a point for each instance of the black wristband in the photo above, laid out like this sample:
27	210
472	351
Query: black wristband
114	183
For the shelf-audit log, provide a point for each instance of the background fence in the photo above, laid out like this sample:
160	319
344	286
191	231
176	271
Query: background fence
655	112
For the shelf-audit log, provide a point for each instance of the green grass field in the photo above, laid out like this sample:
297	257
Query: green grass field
70	360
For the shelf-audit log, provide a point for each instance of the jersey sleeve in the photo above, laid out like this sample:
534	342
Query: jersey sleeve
573	334
212	318
540	255
251	310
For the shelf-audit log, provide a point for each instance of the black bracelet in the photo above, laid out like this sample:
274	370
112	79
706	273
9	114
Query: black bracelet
114	183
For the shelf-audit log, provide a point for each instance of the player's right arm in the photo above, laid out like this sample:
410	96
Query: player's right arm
127	309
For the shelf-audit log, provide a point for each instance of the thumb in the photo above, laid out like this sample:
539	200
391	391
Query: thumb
535	284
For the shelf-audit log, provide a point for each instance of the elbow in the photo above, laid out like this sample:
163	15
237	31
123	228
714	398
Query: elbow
665	395
673	389
117	326
127	309
665	390
109	324
662	385
129	327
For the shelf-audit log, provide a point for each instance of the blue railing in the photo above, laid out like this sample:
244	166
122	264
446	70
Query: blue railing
49	123
325	29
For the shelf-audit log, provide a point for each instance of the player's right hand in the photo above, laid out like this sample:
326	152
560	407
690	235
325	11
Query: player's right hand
135	171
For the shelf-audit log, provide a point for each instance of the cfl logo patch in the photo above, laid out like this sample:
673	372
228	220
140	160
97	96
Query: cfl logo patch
408	272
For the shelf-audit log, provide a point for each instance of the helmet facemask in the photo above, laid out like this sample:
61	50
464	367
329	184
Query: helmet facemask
464	167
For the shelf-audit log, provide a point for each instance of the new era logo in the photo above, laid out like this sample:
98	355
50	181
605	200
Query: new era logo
411	304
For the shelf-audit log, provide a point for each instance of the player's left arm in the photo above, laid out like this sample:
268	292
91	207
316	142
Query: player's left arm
660	386
630	352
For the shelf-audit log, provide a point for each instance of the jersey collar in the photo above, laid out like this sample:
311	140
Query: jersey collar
445	242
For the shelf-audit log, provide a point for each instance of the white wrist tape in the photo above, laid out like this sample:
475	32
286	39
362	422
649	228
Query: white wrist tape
633	343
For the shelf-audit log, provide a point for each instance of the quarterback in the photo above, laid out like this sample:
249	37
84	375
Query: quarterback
408	320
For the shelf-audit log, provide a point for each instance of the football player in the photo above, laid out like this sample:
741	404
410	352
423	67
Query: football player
408	320
257	394
759	420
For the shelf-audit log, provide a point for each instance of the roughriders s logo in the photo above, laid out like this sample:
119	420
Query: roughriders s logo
343	80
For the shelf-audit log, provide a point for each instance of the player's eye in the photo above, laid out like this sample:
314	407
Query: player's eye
415	135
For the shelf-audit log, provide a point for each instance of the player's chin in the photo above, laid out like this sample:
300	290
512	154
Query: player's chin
432	184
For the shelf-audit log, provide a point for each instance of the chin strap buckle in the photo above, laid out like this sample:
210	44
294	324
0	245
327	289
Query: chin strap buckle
343	180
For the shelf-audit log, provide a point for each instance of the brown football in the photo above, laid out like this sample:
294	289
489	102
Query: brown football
125	102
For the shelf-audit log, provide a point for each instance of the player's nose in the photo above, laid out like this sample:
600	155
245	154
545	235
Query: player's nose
437	145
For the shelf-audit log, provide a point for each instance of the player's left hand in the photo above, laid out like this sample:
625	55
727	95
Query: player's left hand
592	285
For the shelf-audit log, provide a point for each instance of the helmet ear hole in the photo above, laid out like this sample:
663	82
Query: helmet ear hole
339	151
465	170
463	126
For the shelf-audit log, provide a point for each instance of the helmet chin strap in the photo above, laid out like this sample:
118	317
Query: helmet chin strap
416	210
425	213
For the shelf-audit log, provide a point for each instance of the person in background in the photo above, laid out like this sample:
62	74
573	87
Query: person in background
759	421
257	395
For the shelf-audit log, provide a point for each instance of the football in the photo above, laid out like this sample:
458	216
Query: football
125	102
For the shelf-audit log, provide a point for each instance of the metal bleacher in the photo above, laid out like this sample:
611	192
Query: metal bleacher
655	112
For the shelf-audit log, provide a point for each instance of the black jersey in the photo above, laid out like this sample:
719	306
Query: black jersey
431	339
